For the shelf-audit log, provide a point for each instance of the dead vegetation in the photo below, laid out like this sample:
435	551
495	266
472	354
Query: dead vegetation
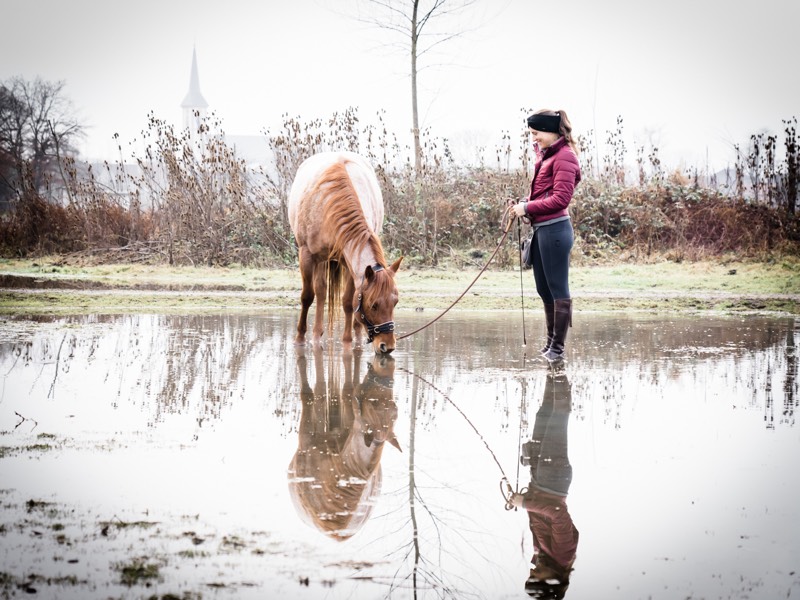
186	198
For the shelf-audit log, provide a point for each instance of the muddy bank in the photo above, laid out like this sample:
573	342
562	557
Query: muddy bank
31	282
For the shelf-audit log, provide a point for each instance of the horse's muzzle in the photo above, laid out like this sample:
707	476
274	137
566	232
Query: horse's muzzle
383	344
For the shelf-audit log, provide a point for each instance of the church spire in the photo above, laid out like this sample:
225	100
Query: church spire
194	105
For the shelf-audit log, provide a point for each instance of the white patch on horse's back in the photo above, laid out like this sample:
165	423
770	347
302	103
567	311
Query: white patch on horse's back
361	173
366	185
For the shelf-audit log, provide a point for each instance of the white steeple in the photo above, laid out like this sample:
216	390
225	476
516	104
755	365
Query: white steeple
194	105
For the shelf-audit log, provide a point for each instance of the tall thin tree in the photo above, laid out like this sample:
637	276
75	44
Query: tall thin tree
419	27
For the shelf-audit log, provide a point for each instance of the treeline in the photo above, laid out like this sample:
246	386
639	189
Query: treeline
187	198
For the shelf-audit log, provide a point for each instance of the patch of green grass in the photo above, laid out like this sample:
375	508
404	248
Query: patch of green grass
32	505
138	571
38	448
191	554
232	543
202	290
119	524
32	448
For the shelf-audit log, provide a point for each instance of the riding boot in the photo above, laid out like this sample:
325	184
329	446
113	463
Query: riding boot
562	322
549	318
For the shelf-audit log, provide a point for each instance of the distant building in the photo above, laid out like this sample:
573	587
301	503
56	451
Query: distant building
194	105
251	148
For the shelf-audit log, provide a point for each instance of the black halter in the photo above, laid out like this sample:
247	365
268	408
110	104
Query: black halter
372	329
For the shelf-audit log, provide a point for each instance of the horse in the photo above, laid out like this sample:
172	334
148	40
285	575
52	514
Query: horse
335	474
335	211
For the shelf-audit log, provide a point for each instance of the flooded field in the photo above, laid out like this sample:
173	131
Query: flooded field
146	456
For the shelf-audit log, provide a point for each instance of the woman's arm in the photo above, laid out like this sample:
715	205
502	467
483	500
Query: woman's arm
566	174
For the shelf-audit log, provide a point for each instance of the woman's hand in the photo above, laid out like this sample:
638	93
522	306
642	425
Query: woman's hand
519	209
516	500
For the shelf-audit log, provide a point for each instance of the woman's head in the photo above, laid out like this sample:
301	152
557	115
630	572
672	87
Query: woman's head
547	126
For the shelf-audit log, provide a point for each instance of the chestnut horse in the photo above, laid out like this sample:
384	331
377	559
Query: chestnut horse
336	213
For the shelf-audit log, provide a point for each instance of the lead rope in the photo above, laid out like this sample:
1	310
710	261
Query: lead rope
461	412
524	344
506	490
521	290
506	229
522	411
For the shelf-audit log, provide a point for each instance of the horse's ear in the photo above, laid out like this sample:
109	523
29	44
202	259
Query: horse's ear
396	265
393	441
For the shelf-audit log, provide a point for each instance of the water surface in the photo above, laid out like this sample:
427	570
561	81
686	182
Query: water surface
664	458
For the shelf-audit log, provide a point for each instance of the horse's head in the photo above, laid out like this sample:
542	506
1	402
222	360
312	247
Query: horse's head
375	396
376	300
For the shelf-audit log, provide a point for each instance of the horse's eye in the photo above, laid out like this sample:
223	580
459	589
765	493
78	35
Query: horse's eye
375	306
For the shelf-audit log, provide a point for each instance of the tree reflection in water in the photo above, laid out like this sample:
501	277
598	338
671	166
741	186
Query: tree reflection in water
114	392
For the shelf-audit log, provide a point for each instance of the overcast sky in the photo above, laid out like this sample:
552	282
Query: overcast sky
691	77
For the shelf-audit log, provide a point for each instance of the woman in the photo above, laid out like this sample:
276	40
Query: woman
555	176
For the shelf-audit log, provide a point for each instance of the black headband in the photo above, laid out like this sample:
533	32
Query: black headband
549	123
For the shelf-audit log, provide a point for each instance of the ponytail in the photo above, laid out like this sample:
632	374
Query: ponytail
566	130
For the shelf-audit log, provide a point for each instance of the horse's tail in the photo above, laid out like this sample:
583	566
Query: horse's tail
335	275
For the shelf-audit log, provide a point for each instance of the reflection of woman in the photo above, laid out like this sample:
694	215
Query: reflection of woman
335	473
555	538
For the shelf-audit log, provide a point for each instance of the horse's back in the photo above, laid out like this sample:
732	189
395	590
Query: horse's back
313	170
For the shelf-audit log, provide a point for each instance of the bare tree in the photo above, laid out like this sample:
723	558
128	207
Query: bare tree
419	26
11	126
37	122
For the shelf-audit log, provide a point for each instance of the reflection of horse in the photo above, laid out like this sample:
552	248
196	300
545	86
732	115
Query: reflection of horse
336	212
335	475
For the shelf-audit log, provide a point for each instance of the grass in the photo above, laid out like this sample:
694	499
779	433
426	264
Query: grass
722	285
138	571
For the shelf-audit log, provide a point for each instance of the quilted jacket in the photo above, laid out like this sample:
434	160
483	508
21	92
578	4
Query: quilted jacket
555	176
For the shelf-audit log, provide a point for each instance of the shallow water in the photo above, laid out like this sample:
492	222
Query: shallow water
202	447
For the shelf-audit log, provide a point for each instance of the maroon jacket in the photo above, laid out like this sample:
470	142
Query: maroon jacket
553	531
555	176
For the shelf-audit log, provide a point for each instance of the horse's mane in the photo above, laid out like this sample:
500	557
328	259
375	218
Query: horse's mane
343	216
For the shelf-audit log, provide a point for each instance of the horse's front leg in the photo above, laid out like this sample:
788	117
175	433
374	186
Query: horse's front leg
321	292
347	306
306	295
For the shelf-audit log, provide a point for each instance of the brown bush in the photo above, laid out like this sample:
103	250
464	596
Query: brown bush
191	200
35	226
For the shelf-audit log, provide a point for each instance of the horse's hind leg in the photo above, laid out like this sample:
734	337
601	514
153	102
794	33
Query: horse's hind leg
321	292
306	296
